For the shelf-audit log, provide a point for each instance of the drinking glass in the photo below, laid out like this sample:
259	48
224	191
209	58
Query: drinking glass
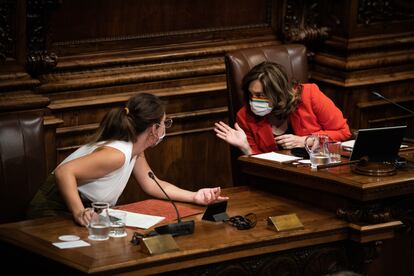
118	220
335	149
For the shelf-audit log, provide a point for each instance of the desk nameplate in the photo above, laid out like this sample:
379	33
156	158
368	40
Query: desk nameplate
159	244
285	222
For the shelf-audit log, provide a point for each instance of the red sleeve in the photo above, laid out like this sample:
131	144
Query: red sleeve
241	119
329	116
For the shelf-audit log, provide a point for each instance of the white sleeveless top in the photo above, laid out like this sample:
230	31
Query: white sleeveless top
110	187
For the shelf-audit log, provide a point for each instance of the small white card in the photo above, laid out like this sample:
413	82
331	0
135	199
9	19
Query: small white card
278	157
71	244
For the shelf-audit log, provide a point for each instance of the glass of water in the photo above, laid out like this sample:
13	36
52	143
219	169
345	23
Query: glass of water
99	225
117	225
335	150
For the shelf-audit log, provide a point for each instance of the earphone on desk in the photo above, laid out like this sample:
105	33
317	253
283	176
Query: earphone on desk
243	222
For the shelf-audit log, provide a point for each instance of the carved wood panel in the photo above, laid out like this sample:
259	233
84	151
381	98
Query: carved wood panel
317	260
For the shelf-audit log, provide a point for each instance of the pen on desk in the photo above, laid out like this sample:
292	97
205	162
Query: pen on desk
297	164
337	164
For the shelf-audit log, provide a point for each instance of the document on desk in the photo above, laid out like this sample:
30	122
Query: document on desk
141	220
277	157
349	145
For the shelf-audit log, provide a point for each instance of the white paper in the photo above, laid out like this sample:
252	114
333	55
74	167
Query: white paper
71	244
350	144
278	157
141	220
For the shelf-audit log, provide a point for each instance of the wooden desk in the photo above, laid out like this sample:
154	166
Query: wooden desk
214	247
337	189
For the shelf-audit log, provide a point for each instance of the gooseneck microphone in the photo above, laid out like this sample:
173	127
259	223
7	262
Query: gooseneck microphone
175	229
392	102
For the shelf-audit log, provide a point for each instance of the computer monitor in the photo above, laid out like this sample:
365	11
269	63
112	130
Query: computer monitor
378	144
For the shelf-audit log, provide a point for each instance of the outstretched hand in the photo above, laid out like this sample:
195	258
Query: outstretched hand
234	136
209	195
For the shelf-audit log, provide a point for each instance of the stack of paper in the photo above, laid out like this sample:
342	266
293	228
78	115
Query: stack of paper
278	157
141	220
349	145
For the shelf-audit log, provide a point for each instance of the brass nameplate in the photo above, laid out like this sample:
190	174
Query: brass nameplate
159	244
285	222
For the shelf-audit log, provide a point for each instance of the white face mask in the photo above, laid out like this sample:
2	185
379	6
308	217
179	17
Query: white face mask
260	107
160	138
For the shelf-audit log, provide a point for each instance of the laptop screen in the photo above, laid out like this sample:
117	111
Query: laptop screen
378	144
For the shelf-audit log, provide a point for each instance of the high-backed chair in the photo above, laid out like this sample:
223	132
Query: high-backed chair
291	56
22	164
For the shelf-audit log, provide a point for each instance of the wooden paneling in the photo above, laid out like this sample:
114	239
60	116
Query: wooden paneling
126	19
78	71
371	49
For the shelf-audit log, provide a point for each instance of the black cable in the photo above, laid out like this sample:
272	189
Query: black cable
243	222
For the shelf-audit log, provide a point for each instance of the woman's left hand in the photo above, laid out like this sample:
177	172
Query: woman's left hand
289	141
209	195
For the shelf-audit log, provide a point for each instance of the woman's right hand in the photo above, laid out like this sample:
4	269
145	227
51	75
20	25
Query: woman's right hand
234	136
83	217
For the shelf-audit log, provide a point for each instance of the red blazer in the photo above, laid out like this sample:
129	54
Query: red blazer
315	114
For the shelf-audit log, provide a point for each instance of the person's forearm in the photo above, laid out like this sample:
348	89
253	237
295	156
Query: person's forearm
69	191
174	192
246	149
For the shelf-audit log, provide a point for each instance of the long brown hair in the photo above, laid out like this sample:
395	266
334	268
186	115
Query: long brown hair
141	111
285	95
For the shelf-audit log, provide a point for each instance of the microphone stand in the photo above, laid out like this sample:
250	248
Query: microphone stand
409	135
175	229
392	102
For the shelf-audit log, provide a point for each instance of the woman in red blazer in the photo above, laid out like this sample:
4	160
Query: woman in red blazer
280	114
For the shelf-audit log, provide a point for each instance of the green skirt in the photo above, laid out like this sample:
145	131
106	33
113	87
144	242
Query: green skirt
48	202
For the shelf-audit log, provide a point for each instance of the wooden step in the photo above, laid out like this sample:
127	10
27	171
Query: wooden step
133	74
83	102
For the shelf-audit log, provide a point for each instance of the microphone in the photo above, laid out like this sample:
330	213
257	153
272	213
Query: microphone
175	229
392	102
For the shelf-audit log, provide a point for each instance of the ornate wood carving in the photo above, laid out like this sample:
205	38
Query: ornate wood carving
371	11
363	254
39	60
371	214
399	209
306	261
404	211
6	40
301	22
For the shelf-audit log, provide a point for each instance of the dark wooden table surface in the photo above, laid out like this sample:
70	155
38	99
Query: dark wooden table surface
339	180
211	242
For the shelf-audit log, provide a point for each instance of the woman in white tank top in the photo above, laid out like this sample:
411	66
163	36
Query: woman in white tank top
99	171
